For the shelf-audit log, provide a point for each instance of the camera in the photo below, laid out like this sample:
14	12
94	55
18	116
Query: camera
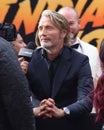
8	31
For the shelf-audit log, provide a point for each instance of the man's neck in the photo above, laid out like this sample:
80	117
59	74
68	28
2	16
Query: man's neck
53	54
74	40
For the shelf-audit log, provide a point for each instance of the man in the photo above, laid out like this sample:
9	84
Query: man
15	105
74	25
60	92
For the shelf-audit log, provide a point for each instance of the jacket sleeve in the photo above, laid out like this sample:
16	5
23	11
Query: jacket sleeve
85	86
14	90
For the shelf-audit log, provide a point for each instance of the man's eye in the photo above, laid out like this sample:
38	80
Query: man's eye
71	23
39	29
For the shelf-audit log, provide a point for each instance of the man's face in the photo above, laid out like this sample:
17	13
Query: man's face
74	22
49	35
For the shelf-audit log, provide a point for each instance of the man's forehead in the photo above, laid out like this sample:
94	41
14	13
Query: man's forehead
45	20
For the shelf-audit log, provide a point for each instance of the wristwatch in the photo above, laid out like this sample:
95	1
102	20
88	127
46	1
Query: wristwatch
66	111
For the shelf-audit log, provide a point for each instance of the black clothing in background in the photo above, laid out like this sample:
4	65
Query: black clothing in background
15	105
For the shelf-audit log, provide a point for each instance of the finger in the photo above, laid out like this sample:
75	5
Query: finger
43	107
20	59
43	101
49	104
45	113
48	115
51	100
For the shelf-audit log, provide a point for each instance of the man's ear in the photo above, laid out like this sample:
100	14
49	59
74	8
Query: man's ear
64	33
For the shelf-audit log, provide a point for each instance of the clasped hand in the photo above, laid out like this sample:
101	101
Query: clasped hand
47	109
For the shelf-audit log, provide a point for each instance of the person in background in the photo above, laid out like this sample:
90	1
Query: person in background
99	90
16	111
18	43
74	25
9	32
59	77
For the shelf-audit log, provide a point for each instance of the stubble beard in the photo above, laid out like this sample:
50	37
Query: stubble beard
48	46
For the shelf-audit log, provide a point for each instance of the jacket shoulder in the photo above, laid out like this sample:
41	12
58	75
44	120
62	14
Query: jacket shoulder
75	54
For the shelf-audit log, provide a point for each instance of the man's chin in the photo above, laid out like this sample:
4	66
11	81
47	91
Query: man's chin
72	35
46	45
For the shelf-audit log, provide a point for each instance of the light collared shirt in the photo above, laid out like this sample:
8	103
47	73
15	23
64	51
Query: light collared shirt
93	55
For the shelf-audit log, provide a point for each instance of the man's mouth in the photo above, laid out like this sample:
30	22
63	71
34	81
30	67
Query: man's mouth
45	40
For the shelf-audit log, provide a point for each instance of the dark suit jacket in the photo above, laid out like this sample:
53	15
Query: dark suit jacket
72	83
15	106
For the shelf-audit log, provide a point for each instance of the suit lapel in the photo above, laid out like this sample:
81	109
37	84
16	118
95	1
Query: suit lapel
62	70
44	76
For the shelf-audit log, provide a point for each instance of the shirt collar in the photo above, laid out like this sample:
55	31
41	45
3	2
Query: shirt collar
44	54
